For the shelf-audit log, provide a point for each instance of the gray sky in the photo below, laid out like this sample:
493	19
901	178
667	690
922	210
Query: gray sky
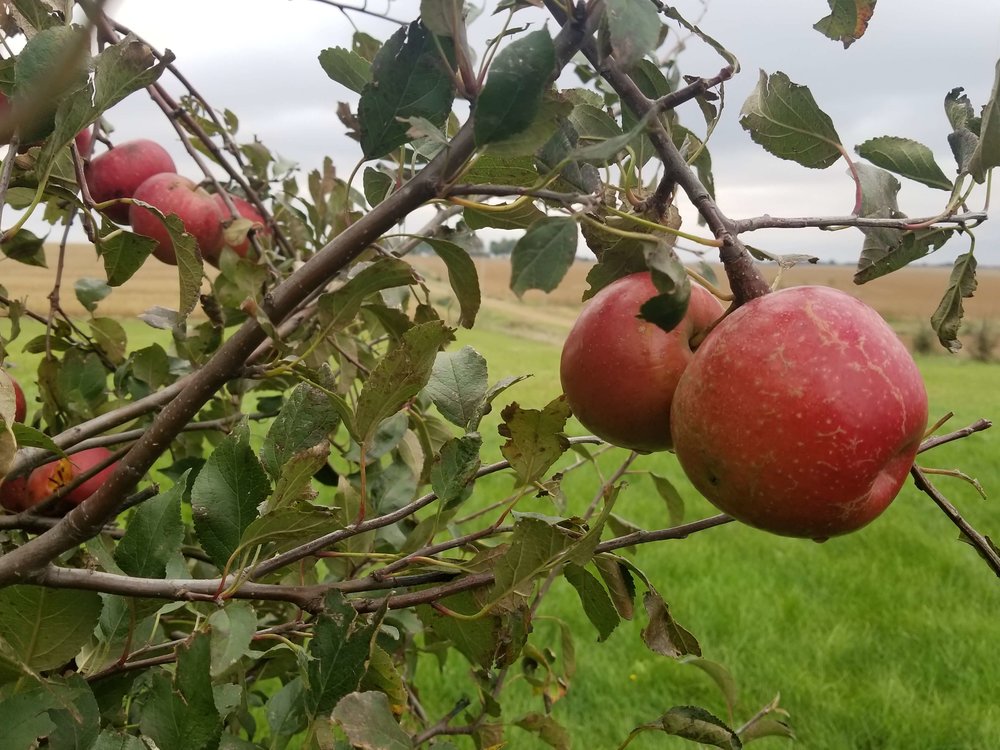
259	59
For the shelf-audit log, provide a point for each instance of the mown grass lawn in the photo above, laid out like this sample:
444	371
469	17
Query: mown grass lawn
882	639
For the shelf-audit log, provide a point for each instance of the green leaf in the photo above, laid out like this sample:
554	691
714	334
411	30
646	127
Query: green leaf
28	437
947	318
905	157
535	438
286	711
503	170
543	255
36	14
369	724
633	28
519	75
987	153
595	600
454	470
462	276
46	627
408	80
495	638
377	185
78	720
90	291
667	309
784	118
549	731
112	740
443	17
848	20
503	216
621	586
286	527
25	247
457	384
605	151
339	651
231	630
153	535
552	110
662	634
123	254
25	719
399	376
670	495
225	496
698	725
721	676
341	307
50	67
347	68
534	544
306	419
110	337
965	128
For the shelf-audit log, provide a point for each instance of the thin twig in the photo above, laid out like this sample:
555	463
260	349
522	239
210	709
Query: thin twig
973	218
933	442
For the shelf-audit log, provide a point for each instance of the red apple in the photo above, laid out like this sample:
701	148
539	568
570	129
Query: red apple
14	495
20	404
800	414
173	194
118	172
619	371
245	210
85	144
48	478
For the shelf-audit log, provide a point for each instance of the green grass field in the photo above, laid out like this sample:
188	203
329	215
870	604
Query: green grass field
882	639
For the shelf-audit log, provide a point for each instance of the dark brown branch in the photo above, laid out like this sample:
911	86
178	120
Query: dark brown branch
933	442
978	541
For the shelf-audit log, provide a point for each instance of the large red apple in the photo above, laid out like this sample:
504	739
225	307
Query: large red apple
118	172
800	414
20	404
247	211
173	194
619	371
48	478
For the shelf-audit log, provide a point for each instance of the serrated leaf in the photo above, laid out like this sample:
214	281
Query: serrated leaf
399	376
987	153
535	438
633	28
50	67
339	654
552	110
28	437
784	118
534	544
519	75
454	469
24	247
153	535
486	405
662	634
503	170
46	627
369	724
225	496
286	711
848	20
286	527
112	740
597	604
35	15
462	277
231	630
123	254
90	291
306	418
698	725
377	185
947	318
542	257
408	80
457	384
340	307
905	157
503	216
25	719
346	67
606	151
78	719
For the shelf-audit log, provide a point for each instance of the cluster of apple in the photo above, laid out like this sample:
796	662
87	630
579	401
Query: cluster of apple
22	492
799	413
143	170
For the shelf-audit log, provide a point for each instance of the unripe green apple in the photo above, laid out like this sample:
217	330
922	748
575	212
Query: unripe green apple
118	172
800	414
619	371
173	194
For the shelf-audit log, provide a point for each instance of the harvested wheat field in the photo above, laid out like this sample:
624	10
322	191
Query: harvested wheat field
907	298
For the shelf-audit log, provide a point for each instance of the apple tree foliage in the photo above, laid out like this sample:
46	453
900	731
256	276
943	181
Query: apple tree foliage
300	516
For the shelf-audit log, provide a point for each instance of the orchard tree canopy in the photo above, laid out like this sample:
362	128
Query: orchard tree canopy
257	533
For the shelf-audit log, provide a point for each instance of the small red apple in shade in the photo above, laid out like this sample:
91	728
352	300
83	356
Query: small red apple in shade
85	143
247	211
14	494
174	194
118	172
800	414
619	371
48	478
20	404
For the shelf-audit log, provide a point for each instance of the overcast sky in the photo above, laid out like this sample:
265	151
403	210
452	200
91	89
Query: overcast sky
259	59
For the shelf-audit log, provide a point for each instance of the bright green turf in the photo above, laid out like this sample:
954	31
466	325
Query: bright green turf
883	639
